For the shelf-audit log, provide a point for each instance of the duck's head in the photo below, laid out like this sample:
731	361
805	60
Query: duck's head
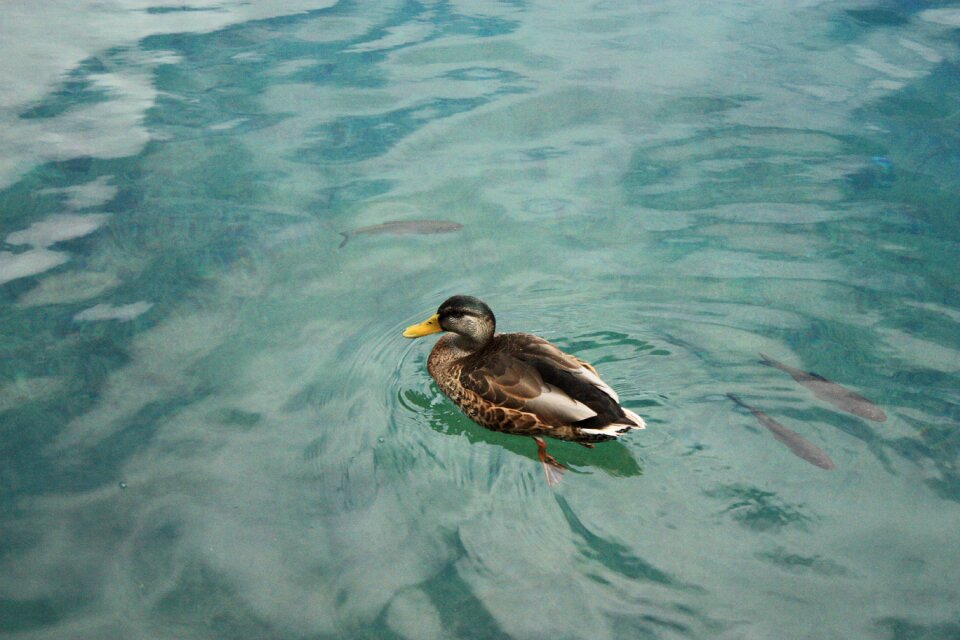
468	317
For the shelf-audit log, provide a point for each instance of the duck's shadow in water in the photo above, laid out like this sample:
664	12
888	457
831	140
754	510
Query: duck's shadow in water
612	457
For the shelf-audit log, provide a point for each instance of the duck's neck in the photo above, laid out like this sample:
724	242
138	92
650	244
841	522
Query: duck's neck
454	346
470	344
475	337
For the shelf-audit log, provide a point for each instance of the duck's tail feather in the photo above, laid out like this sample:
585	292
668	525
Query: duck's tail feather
617	429
638	422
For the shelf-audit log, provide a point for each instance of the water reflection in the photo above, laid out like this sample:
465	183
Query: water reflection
800	564
761	510
612	555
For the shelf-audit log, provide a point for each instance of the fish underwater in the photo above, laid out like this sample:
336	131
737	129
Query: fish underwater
400	227
831	392
801	447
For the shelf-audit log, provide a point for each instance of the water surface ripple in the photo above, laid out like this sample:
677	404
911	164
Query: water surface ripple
210	426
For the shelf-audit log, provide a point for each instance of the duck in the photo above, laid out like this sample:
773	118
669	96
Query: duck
520	383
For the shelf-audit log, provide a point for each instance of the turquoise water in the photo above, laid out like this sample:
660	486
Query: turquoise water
210	426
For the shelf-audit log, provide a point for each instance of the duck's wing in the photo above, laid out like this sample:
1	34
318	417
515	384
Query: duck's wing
509	381
526	373
547	357
580	381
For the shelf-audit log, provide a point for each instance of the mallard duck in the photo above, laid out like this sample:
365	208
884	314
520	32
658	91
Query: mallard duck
519	383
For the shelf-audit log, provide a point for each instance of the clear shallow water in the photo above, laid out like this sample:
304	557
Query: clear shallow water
211	427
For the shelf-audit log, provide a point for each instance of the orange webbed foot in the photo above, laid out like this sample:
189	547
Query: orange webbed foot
551	468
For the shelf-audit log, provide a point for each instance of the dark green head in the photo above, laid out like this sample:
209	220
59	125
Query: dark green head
465	316
459	306
469	317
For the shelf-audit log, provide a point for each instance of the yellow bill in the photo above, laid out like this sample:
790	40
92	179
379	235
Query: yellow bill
425	328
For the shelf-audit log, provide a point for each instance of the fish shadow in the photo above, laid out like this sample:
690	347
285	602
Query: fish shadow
852	426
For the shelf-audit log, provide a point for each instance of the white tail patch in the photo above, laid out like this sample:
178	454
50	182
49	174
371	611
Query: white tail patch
619	428
638	422
612	430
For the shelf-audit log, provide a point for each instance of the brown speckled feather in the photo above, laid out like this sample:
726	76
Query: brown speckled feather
520	383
